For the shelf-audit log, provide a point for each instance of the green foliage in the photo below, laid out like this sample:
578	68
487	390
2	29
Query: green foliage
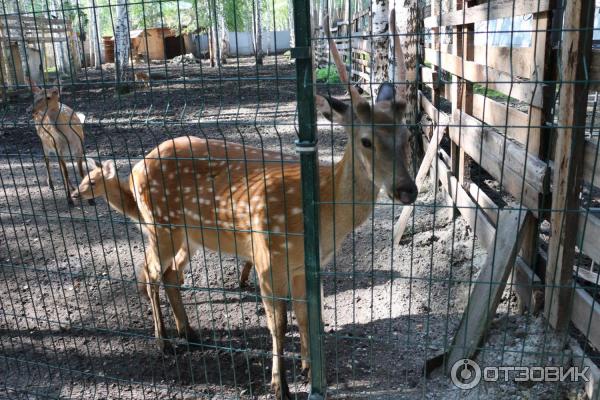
328	75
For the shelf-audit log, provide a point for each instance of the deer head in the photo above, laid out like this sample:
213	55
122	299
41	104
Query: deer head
375	129
43	99
95	183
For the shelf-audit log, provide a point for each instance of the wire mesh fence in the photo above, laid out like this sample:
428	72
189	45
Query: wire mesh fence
256	199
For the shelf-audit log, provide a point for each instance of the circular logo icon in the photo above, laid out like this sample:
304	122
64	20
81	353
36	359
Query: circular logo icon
465	374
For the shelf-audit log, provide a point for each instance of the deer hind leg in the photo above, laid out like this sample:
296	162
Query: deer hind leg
272	290
173	278
157	261
65	175
300	309
245	273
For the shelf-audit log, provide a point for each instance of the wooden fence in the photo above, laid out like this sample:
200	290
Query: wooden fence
497	107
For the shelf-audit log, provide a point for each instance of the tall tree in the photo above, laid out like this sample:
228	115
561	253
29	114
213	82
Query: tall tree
380	41
60	46
258	32
122	45
223	33
94	36
291	22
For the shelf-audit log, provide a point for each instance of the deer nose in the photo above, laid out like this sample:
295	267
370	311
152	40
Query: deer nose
75	195
406	193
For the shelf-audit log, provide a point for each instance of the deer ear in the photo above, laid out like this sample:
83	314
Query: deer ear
92	164
332	109
108	169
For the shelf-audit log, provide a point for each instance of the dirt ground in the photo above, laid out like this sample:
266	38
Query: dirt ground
73	325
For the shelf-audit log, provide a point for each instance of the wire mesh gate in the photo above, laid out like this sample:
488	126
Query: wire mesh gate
75	320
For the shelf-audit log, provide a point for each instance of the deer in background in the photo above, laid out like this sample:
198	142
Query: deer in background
61	131
192	192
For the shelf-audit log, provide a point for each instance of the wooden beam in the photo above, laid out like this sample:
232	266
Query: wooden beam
487	148
512	60
528	287
591	163
487	290
487	11
588	240
576	45
503	117
475	217
585	315
529	92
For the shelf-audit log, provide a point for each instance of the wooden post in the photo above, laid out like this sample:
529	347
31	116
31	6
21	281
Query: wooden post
576	52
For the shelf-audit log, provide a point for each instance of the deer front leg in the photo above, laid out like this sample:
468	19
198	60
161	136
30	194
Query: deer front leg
301	311
277	321
48	174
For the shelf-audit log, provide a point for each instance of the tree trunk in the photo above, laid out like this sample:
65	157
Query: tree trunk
409	26
223	33
122	44
291	23
215	56
258	35
380	41
94	39
60	51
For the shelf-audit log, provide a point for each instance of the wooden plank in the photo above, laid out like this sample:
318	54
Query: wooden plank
487	205
488	11
494	143
487	290
487	148
528	287
591	163
579	359
435	114
525	91
500	115
430	154
430	78
589	241
570	139
512	60
586	275
585	315
475	217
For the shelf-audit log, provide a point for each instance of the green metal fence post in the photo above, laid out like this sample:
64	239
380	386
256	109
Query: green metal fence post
307	147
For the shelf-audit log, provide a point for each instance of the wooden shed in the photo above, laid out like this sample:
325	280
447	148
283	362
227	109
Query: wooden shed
155	44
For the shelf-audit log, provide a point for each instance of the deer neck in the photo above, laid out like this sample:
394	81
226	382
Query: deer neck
353	191
120	197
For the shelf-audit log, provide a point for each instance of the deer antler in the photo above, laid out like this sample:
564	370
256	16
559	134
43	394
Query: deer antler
400	76
341	68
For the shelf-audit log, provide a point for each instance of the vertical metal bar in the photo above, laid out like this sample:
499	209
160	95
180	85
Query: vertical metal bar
310	192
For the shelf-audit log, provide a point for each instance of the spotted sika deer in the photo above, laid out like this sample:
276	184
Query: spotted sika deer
103	181
61	131
192	192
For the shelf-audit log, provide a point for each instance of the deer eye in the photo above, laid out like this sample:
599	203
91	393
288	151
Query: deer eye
366	143
92	183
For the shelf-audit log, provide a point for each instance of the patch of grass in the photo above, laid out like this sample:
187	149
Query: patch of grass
328	75
491	93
